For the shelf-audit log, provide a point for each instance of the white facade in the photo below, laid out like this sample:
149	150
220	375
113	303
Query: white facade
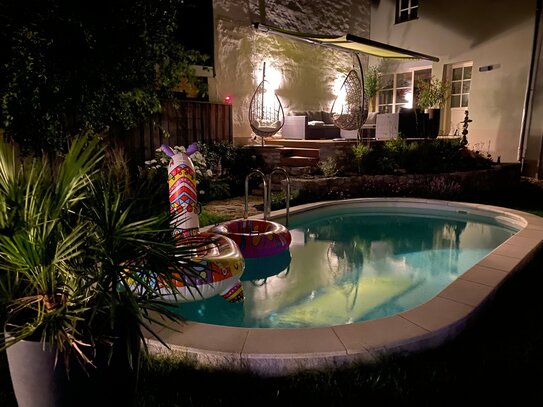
496	37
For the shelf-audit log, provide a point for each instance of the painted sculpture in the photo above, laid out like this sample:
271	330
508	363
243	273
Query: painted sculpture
220	260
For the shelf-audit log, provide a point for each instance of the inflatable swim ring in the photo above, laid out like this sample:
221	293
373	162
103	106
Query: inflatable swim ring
220	265
220	262
256	238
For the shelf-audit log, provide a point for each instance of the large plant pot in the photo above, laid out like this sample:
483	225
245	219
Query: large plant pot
39	382
433	122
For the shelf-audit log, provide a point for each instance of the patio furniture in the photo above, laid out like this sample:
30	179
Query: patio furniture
310	125
266	115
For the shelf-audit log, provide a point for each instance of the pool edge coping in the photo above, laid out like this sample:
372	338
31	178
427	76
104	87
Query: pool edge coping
282	351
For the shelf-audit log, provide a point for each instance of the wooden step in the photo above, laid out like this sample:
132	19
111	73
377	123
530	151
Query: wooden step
299	151
299	161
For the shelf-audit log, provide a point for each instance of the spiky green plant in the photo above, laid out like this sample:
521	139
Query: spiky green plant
86	252
41	237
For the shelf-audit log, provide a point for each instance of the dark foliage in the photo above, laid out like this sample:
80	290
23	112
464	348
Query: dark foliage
419	157
230	164
71	65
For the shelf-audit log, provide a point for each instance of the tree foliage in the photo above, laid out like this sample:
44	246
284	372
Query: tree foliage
66	66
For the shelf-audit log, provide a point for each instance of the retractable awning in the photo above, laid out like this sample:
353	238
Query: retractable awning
349	43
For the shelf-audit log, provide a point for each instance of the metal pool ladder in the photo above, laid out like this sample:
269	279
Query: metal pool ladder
287	192
266	182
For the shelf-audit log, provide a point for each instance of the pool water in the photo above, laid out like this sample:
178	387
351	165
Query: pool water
352	264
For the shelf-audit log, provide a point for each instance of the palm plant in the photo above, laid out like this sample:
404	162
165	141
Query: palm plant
41	238
86	253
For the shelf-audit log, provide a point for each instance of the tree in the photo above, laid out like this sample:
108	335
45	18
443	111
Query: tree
68	66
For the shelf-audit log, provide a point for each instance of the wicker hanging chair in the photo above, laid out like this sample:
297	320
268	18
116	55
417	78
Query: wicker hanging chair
266	115
351	112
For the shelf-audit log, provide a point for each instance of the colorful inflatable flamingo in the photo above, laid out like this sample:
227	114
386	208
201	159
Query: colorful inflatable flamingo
220	258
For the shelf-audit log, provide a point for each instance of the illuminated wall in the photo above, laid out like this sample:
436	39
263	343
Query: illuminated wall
305	76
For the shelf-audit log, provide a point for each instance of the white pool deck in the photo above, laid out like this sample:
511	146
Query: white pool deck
274	352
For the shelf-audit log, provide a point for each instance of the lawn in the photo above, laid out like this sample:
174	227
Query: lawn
497	360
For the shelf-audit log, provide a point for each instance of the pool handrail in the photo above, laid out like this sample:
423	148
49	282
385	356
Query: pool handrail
265	187
287	192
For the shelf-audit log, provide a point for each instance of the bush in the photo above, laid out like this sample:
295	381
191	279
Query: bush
361	154
417	157
68	66
230	164
329	167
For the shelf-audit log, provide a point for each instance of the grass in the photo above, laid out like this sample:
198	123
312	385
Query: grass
206	218
496	360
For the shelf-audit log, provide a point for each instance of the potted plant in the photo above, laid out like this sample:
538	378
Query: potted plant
431	97
432	94
372	84
84	255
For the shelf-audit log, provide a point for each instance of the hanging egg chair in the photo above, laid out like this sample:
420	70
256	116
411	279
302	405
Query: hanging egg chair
349	110
266	114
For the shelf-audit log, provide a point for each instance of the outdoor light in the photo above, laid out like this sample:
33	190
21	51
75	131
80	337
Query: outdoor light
228	100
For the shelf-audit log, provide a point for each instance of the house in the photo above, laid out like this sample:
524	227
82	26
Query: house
485	48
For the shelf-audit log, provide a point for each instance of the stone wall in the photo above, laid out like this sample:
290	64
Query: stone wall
456	185
265	158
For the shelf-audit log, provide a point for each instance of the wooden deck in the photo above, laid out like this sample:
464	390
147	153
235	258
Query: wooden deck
317	144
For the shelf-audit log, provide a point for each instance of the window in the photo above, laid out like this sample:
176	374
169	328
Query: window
397	90
406	10
460	85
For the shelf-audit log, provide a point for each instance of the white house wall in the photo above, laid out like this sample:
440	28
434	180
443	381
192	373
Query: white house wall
305	73
497	33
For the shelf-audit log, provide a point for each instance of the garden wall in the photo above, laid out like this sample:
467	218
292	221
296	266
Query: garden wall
496	180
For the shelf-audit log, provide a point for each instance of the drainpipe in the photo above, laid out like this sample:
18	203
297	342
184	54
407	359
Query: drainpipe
528	97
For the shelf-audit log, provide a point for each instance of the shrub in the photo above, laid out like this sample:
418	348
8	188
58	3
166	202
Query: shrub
329	167
229	163
429	156
67	66
361	153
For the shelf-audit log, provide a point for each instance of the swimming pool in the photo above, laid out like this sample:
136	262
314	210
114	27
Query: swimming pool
279	351
351	264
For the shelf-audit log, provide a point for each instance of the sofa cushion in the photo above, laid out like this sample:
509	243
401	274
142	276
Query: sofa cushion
314	115
327	118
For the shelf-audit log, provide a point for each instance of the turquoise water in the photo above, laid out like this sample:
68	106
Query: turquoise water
349	264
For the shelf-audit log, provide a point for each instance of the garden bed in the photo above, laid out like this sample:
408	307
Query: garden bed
498	179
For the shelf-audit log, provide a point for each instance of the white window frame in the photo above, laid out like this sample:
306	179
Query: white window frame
461	81
411	8
397	105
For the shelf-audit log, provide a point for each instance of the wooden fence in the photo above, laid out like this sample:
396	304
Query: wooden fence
184	122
